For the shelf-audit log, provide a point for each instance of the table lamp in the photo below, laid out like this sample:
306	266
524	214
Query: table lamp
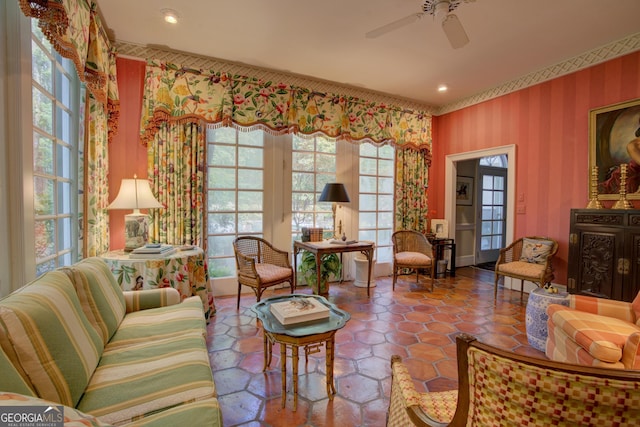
135	194
336	193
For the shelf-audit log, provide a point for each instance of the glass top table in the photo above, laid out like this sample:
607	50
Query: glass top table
308	335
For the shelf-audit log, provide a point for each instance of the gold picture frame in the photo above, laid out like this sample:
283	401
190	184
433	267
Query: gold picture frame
614	132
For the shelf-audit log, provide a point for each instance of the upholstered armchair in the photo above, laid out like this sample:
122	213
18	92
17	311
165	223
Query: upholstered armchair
528	258
595	332
501	388
260	265
412	250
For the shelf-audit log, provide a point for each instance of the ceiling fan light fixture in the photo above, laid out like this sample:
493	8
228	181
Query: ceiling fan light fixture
170	16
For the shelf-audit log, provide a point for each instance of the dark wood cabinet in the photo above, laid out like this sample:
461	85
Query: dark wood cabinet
604	253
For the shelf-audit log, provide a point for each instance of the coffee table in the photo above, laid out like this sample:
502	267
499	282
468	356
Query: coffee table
309	335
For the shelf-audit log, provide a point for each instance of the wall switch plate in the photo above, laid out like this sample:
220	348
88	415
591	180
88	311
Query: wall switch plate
521	209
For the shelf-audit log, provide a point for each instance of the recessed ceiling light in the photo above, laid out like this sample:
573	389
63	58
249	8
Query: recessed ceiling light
442	88
170	16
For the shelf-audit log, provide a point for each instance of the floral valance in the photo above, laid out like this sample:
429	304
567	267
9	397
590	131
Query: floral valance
74	29
180	94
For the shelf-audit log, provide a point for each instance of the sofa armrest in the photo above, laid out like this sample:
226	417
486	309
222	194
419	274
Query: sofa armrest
604	307
150	298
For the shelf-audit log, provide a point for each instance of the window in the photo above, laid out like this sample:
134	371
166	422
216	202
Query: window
313	165
235	193
57	130
376	198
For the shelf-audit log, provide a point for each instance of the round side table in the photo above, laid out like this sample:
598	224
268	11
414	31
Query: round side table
536	315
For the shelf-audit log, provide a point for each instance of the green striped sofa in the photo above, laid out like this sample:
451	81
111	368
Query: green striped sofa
74	338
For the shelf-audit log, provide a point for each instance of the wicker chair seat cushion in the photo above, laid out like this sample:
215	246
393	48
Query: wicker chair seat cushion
522	268
272	273
413	258
603	337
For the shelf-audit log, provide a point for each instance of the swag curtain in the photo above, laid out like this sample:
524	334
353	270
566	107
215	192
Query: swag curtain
74	29
177	161
175	96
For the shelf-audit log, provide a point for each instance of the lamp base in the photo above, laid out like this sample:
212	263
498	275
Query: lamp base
136	231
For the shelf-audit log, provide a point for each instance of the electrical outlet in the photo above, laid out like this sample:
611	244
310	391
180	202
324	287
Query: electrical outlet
521	197
521	209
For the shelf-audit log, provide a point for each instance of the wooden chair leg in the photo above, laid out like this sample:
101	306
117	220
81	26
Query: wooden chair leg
495	287
521	290
395	276
239	289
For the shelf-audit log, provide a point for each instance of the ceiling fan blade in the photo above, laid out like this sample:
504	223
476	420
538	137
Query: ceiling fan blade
393	25
454	31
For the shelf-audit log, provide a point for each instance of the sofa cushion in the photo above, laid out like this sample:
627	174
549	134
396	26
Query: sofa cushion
11	380
100	295
70	416
535	251
163	322
603	337
142	379
56	345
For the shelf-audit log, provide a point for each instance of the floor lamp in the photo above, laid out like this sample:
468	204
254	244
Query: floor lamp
336	193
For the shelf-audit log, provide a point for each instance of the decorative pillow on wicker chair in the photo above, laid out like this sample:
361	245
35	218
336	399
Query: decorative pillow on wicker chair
535	251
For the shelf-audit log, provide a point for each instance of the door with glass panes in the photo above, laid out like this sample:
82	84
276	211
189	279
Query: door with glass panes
491	218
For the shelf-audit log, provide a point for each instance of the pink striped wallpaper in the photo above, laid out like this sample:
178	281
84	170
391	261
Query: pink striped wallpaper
549	124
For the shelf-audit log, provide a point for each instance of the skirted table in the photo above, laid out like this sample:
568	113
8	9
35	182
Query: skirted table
536	315
185	270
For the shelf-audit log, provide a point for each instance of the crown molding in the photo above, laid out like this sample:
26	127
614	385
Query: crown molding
596	56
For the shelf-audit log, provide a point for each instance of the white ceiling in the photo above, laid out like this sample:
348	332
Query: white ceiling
326	39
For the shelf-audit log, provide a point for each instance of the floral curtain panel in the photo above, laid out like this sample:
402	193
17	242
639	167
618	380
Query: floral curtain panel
74	29
175	93
411	180
177	161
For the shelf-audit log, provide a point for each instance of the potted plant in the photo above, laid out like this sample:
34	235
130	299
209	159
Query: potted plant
330	265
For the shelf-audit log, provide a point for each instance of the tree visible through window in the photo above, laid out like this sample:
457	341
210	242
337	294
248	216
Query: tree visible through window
57	94
235	193
376	198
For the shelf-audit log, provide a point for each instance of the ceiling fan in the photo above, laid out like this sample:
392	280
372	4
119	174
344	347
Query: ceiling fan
442	12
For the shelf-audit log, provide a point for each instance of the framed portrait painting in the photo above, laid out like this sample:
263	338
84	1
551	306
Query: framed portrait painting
614	139
464	190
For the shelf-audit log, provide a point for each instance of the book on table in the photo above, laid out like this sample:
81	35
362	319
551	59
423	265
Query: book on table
152	251
299	310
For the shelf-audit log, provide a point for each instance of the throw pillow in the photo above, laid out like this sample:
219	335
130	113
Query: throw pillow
535	251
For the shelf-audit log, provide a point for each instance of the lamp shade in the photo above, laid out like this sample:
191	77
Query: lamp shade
334	192
135	194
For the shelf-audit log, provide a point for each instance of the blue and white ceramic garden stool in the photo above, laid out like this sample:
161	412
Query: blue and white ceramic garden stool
536	315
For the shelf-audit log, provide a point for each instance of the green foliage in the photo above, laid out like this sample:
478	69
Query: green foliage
330	265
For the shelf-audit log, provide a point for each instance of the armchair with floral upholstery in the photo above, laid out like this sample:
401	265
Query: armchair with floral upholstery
501	388
595	332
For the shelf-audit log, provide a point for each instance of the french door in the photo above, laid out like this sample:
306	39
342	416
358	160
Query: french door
491	213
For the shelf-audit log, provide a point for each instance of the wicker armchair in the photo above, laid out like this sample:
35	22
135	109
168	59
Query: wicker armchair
260	265
411	249
528	258
501	388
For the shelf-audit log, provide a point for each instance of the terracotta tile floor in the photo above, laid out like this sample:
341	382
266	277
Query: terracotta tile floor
412	322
